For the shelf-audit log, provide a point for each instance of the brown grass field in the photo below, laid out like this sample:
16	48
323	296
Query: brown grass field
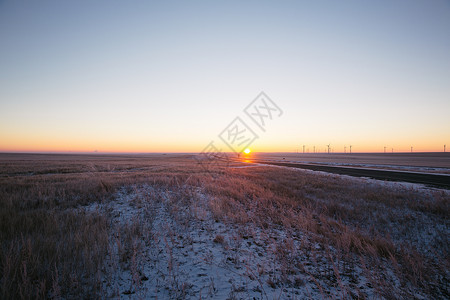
163	226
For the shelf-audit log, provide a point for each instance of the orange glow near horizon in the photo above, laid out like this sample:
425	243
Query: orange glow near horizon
132	146
91	143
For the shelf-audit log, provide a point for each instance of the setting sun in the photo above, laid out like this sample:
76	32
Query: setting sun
247	151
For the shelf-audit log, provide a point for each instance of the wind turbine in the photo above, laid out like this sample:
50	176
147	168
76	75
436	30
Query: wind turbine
444	148
328	148
345	149
384	149
350	149
303	148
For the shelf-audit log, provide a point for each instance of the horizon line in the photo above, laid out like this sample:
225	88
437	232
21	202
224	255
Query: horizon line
181	152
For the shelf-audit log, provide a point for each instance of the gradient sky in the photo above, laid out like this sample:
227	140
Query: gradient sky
140	76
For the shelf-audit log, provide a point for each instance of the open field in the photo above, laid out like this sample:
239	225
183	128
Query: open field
163	226
438	180
429	162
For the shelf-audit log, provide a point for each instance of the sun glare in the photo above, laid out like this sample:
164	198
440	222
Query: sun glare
247	151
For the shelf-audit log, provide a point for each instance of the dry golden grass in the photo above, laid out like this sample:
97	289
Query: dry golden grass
46	248
50	249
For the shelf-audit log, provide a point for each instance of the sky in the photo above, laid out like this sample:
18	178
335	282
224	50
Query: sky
170	76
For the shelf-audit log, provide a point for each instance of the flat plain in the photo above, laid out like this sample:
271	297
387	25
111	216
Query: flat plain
173	226
434	162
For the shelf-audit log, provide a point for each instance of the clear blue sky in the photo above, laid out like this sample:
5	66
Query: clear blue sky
169	76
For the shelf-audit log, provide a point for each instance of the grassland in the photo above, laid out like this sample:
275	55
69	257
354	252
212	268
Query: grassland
161	226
